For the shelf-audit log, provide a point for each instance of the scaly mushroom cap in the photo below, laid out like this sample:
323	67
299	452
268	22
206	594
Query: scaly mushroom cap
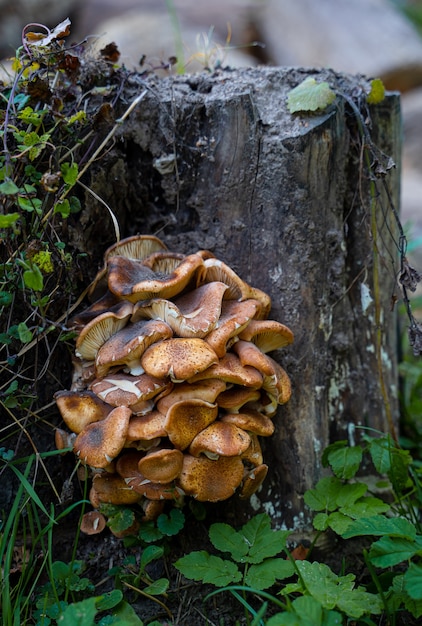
251	421
80	408
235	316
99	443
207	390
146	427
250	354
268	335
127	390
111	489
210	481
194	314
230	370
252	481
161	466
101	328
92	523
185	419
127	468
179	358
128	345
220	439
235	397
134	280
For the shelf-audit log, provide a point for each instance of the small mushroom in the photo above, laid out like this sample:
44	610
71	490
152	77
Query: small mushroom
127	468
185	419
111	489
210	481
80	408
126	347
194	314
251	421
268	335
146	427
126	390
220	439
235	316
179	358
161	466
207	390
252	481
236	397
134	280
92	523
101	328
99	443
253	455
230	370
63	439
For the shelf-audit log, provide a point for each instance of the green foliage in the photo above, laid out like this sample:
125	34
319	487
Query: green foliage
310	96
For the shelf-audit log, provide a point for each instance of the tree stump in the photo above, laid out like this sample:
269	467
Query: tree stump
216	161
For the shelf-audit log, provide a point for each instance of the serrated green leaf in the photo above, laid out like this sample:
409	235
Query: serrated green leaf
377	93
311	612
79	614
350	493
263	541
379	526
338	522
310	96
149	554
158	587
345	461
365	507
8	220
201	565
389	551
413	581
108	600
226	539
33	278
324	496
357	603
264	575
172	523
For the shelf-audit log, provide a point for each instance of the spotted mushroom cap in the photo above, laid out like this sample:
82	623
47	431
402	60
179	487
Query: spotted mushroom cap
126	390
185	419
210	481
179	358
80	408
220	439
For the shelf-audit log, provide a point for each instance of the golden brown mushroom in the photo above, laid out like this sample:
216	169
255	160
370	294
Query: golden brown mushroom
179	358
185	419
80	408
161	466
235	316
230	370
101	328
127	467
210	481
252	421
268	335
207	390
92	523
220	439
252	481
126	390
111	489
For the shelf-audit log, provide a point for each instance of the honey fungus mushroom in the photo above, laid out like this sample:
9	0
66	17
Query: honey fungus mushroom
173	384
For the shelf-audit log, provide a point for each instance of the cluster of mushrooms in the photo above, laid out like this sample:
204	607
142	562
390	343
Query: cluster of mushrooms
172	384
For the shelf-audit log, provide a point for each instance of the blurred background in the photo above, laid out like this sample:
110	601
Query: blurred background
377	38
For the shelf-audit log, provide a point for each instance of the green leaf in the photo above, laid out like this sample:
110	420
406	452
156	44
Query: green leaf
264	575
413	581
62	207
69	172
338	522
262	540
5	298
226	539
310	96
324	496
158	587
379	525
121	520
172	523
33	278
377	93
108	600
149	533
345	461
365	507
350	493
389	551
8	220
8	188
149	554
79	614
30	204
126	616
208	568
25	334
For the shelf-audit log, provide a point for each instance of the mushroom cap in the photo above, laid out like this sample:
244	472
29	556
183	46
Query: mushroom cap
210	481
185	419
106	302
146	427
235	316
278	384
230	370
161	466
252	481
251	421
250	354
235	397
194	314
80	408
179	358
207	390
253	455
128	345
268	335
111	489
152	509
127	467
220	439
63	439
134	280
92	523
101	328
99	443
126	390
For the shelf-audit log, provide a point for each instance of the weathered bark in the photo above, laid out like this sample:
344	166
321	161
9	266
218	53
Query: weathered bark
217	162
